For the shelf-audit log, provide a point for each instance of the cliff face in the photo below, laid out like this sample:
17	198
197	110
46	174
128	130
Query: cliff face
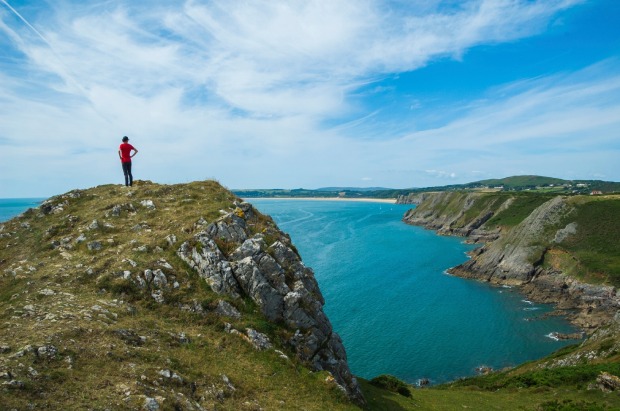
518	254
453	213
162	297
412	198
275	278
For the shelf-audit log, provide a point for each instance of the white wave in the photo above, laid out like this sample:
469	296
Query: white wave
553	336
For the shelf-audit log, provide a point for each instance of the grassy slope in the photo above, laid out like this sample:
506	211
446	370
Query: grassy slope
522	206
473	398
596	244
96	366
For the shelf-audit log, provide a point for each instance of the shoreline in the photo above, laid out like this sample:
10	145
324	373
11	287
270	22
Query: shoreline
362	199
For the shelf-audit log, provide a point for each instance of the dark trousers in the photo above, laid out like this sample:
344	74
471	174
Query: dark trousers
127	172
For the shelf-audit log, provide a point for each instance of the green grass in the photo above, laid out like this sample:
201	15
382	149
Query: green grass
520	208
451	205
483	203
472	398
577	377
393	384
596	245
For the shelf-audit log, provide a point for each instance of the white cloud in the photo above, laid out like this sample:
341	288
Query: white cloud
440	174
553	125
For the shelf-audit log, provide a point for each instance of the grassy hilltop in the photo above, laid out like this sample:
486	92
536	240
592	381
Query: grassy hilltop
78	332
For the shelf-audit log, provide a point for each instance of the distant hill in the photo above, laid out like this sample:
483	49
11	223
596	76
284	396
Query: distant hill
549	184
523	181
360	189
515	183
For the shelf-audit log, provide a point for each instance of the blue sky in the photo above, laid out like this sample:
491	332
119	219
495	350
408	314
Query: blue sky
289	94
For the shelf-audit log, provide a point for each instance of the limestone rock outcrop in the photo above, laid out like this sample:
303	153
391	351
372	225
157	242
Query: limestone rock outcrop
413	198
448	213
266	268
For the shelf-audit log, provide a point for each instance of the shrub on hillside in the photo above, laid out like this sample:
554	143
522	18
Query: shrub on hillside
391	383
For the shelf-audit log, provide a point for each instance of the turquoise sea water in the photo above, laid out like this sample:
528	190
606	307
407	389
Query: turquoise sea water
10	207
389	298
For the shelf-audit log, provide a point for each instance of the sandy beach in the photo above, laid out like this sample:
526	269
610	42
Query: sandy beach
367	200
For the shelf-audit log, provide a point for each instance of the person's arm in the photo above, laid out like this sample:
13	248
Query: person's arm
135	151
120	155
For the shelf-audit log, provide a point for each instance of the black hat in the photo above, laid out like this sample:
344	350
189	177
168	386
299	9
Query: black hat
125	138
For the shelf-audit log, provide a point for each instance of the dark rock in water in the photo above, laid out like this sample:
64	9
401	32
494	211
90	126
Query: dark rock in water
562	336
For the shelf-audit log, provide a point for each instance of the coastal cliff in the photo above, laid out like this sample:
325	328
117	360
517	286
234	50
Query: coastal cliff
412	198
171	297
543	244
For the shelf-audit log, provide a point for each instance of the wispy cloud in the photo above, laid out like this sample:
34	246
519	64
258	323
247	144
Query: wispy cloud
553	124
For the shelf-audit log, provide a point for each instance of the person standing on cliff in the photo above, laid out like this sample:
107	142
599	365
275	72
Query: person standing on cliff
125	154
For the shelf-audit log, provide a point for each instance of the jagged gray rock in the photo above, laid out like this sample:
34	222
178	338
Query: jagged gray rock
207	259
607	382
150	404
561	235
94	246
274	277
225	309
46	351
148	204
259	340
